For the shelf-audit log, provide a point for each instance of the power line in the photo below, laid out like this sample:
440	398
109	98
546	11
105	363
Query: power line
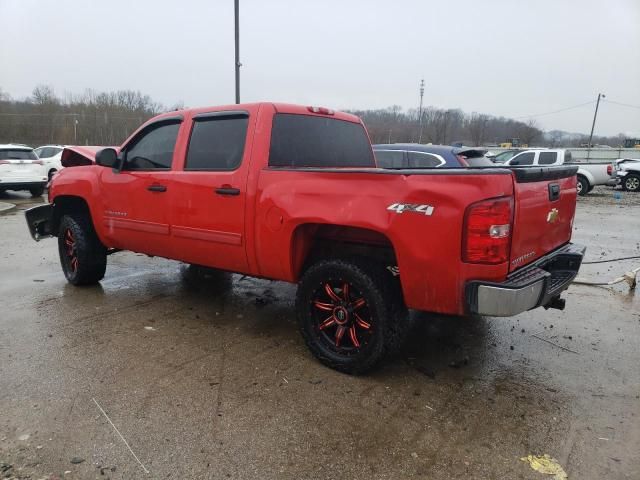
556	111
622	104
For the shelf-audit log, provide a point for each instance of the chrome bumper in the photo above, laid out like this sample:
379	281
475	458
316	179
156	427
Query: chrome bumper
536	285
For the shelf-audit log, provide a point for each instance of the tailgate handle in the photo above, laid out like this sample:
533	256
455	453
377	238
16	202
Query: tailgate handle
554	191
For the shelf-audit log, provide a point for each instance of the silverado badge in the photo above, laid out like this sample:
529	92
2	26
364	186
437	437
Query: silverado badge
552	216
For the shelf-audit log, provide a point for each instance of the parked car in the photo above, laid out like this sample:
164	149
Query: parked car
589	174
20	169
293	193
415	155
628	174
51	156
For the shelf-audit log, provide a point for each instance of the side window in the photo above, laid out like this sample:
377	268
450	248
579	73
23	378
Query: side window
153	148
424	160
390	158
523	159
217	143
547	158
40	152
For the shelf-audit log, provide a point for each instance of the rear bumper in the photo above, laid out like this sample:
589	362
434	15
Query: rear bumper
13	185
39	220
538	284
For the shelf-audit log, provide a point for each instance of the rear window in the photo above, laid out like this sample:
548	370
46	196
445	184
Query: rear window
390	158
547	158
308	141
15	154
424	160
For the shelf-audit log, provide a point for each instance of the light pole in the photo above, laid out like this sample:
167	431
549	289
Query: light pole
238	64
420	111
593	125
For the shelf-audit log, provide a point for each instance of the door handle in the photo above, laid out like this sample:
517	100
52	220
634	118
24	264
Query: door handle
157	188
228	191
554	191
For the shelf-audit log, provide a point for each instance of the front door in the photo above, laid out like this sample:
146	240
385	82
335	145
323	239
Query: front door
210	192
136	200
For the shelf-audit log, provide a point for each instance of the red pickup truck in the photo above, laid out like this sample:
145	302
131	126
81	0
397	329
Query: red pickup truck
293	193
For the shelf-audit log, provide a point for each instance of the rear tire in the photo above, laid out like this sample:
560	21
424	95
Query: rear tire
36	191
51	173
351	314
82	256
631	183
582	185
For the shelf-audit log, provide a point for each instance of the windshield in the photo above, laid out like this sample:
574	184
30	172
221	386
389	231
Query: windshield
17	154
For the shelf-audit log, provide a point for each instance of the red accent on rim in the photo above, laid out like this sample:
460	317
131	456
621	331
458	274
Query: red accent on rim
70	244
344	318
354	336
331	293
324	306
339	334
361	322
358	303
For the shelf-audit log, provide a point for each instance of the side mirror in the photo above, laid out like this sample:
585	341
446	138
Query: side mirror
107	157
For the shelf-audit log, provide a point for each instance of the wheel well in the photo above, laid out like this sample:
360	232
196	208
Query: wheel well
313	241
66	204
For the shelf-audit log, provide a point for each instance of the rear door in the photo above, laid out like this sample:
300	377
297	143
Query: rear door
545	204
210	192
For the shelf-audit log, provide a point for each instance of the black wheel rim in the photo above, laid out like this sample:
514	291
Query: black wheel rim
70	250
341	316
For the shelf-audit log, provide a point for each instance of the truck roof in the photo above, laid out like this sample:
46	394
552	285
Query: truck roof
279	107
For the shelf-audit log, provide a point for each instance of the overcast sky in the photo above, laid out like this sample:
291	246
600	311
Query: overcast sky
496	57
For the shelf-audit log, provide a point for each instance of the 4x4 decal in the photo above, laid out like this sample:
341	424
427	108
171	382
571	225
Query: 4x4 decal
411	207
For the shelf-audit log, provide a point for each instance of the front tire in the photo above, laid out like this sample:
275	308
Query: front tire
82	256
582	186
632	183
350	314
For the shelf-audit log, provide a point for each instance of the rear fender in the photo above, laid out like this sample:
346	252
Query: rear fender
588	175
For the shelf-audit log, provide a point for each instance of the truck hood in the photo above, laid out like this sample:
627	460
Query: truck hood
75	156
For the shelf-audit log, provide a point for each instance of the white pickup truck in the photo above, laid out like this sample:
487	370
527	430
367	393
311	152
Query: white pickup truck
628	174
589	174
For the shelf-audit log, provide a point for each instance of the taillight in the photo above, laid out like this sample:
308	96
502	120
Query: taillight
609	169
487	231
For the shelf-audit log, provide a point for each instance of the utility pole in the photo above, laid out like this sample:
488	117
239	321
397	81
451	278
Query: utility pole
420	111
238	64
595	114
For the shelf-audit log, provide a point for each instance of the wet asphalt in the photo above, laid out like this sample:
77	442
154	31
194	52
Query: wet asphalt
205	376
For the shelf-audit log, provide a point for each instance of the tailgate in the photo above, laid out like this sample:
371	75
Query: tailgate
545	200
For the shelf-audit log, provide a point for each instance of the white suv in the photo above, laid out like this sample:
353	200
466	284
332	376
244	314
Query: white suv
50	155
21	169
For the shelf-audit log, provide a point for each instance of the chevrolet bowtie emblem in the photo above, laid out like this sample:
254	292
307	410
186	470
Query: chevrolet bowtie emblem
552	216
